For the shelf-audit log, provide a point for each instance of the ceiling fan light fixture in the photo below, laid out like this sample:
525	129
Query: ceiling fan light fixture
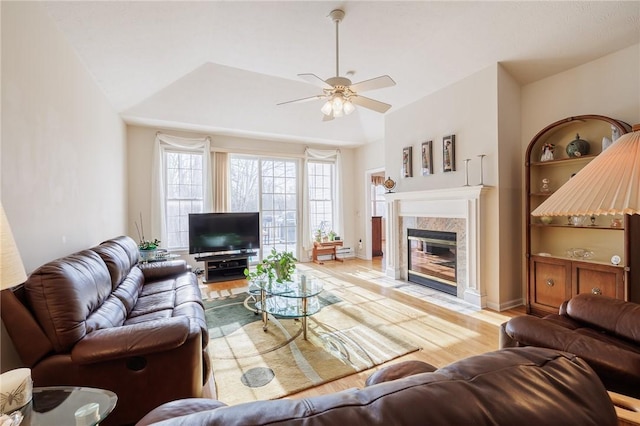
327	108
348	107
337	103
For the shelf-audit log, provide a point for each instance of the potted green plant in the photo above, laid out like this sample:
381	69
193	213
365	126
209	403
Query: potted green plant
332	235
148	249
277	265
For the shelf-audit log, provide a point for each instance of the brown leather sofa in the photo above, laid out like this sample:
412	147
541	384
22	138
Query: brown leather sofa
97	318
517	386
603	331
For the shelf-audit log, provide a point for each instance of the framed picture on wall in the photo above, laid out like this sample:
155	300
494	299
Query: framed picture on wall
407	160
449	153
427	158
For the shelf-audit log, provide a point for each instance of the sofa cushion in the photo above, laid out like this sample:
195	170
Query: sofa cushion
120	255
65	292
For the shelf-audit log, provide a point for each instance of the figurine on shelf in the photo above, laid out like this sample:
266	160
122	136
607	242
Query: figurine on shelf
547	152
545	188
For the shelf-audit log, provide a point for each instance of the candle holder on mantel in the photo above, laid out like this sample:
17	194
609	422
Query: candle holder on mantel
466	171
481	168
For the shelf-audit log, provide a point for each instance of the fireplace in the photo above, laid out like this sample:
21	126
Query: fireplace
454	210
432	259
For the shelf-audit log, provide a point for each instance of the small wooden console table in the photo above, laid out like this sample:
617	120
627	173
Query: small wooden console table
321	249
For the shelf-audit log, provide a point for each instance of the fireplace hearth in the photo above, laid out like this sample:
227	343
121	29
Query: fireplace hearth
432	259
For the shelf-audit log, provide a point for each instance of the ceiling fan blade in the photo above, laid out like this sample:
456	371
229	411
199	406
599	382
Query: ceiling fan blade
375	83
370	103
316	81
327	117
298	101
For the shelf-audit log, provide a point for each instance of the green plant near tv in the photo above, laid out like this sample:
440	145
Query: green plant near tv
278	266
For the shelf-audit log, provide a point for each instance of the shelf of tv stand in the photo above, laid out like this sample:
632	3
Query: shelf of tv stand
225	267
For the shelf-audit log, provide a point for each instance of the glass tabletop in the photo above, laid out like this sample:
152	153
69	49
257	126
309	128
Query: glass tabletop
298	288
68	405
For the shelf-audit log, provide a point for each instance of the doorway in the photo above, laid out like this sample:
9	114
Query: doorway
378	212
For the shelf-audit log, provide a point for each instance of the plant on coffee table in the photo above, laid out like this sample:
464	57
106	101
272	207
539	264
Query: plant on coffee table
277	265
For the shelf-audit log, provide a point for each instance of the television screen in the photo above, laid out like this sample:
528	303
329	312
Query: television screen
217	232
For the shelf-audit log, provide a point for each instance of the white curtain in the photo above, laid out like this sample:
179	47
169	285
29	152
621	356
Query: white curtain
325	155
163	141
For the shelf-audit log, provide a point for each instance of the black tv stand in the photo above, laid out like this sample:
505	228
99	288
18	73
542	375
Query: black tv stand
225	267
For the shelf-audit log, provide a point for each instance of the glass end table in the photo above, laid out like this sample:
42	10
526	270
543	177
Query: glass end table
68	405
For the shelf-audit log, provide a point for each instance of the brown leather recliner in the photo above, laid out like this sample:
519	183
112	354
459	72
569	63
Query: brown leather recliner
96	318
518	386
603	331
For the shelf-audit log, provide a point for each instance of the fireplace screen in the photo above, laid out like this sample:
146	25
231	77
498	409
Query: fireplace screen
432	259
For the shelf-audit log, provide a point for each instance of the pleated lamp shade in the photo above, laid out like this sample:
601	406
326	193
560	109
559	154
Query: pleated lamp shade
608	185
11	268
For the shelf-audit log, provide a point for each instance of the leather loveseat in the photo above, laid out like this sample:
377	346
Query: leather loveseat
518	386
603	331
99	319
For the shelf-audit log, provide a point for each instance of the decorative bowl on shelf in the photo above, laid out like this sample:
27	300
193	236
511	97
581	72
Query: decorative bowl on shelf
577	220
547	220
580	253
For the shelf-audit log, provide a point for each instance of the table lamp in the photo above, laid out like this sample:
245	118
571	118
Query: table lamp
15	385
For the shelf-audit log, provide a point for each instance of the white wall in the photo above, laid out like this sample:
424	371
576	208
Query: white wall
140	148
63	147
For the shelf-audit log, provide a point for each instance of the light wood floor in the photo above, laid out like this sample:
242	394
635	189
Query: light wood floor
447	334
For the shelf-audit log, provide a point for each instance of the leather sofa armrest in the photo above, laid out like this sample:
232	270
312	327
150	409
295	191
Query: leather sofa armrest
563	308
398	371
178	408
131	340
167	268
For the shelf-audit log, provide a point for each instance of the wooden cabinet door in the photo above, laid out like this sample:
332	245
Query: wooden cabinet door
598	279
551	279
376	236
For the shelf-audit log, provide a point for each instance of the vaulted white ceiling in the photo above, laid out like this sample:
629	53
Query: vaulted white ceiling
222	66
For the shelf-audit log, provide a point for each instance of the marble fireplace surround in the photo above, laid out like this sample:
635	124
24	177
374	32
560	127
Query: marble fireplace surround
455	210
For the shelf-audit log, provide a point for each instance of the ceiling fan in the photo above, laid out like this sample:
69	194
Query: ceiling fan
340	94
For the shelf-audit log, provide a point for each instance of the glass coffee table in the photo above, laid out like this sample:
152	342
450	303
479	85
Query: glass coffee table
293	299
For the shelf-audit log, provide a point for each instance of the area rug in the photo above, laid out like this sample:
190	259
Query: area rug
345	337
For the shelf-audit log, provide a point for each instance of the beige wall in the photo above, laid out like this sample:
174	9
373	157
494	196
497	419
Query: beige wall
508	222
63	146
140	148
608	86
370	157
469	109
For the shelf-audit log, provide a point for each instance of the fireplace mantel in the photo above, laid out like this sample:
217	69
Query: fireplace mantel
452	203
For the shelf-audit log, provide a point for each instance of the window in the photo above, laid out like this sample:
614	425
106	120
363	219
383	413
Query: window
269	186
321	196
184	194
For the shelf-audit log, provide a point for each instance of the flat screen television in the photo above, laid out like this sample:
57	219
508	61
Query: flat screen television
223	232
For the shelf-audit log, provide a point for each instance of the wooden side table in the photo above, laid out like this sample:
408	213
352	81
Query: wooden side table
328	248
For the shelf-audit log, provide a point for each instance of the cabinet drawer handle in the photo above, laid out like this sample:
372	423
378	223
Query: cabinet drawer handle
596	290
550	282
